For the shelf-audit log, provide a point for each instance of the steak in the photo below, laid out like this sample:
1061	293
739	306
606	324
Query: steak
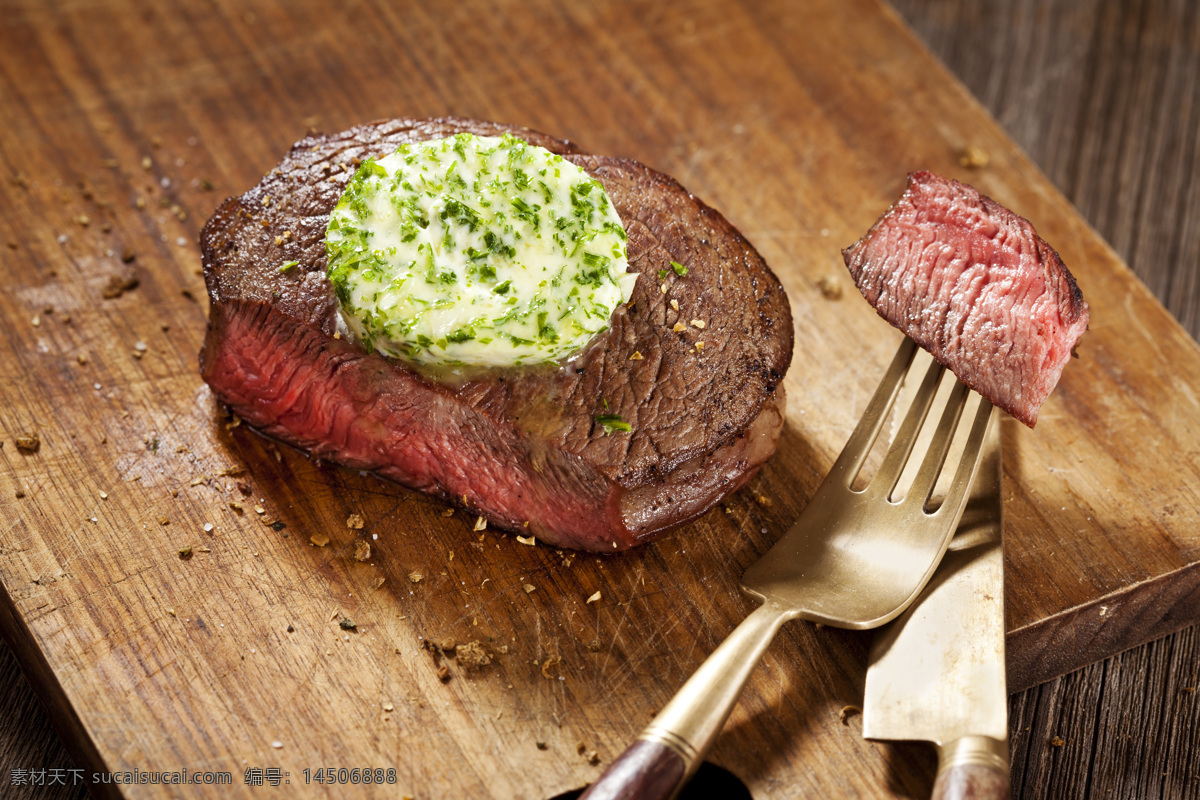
974	284
695	370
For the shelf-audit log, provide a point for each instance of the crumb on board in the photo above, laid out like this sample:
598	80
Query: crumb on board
443	673
185	552
28	442
318	539
548	667
529	588
119	284
355	522
449	512
974	157
415	577
529	540
472	655
480	523
847	712
830	287
541	746
1057	741
347	624
362	550
594	598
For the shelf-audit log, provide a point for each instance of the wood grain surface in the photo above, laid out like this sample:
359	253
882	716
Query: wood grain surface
152	661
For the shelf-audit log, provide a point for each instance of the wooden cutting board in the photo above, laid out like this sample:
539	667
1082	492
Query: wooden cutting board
126	123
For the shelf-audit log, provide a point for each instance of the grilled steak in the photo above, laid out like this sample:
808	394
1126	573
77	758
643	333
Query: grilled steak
973	283
522	446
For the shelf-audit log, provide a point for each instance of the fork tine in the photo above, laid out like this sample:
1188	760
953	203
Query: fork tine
897	456
926	479
854	454
965	474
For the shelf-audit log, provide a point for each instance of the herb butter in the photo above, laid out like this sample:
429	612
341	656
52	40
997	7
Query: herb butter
476	251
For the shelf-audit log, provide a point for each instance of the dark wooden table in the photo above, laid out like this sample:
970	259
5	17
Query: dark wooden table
1106	99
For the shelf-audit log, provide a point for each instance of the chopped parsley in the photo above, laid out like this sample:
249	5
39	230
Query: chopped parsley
476	250
287	265
613	423
680	269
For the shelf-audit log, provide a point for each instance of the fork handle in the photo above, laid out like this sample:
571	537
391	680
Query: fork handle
972	768
668	751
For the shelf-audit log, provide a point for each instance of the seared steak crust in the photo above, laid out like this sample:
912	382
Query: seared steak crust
974	284
520	446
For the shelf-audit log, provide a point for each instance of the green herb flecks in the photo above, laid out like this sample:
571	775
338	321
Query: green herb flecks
613	423
472	250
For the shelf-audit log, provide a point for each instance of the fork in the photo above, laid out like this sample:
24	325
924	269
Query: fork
856	558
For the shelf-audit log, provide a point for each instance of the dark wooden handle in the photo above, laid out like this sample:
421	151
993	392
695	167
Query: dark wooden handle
645	771
971	782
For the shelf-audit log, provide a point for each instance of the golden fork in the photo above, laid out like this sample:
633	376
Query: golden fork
856	558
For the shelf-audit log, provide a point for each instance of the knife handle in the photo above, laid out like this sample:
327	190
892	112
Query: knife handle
670	749
972	768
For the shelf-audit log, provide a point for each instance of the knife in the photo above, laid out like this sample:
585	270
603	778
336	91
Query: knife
937	673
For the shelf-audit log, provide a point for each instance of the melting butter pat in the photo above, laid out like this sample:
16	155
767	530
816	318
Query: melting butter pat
476	251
